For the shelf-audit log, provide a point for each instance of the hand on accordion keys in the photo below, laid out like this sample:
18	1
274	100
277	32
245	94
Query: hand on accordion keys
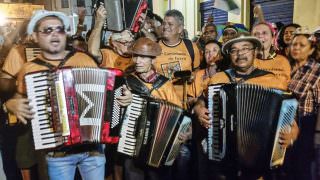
126	98
20	108
202	114
288	137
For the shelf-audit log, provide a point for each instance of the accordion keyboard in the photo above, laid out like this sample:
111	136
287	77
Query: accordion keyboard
217	131
127	141
38	94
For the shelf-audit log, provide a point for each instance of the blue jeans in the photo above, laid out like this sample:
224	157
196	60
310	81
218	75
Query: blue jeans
90	167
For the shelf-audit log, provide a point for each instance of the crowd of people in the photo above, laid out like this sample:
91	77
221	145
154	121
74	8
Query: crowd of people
287	60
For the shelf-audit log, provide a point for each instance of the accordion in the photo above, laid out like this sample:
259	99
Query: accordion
124	14
150	131
246	122
75	106
32	52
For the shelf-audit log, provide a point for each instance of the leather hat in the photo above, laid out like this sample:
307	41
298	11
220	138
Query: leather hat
145	47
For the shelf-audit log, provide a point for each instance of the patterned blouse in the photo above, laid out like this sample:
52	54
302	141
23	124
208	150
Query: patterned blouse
305	86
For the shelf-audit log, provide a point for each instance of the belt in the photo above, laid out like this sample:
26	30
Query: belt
64	154
65	151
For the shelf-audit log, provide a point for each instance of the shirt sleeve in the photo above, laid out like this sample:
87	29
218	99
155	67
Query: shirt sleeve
21	85
13	62
316	92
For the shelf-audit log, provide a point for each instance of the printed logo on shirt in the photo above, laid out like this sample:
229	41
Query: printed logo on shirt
169	68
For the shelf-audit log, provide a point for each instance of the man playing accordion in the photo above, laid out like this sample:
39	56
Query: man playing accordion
146	82
242	51
49	29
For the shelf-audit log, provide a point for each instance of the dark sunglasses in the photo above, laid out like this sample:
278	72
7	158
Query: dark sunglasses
49	30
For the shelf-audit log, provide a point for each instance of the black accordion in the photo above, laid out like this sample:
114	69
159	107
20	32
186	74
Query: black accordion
150	131
75	106
246	122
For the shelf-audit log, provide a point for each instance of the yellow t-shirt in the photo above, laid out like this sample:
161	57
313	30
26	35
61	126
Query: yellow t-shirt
110	59
176	58
77	60
279	66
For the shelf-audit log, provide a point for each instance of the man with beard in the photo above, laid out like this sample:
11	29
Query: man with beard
48	29
242	54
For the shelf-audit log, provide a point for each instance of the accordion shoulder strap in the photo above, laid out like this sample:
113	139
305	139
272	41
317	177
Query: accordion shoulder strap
255	73
159	82
138	86
51	66
231	75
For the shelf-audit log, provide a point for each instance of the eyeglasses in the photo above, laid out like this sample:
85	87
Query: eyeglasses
245	50
49	30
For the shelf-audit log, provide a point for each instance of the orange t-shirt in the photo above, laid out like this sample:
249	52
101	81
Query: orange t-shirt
176	58
198	85
15	60
110	59
279	66
268	81
165	92
77	60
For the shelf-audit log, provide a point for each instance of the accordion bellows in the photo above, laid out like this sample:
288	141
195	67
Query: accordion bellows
75	106
150	131
246	122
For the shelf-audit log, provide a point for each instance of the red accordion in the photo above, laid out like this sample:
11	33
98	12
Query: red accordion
75	106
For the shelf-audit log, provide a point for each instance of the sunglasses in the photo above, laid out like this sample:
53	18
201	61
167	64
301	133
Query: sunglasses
49	30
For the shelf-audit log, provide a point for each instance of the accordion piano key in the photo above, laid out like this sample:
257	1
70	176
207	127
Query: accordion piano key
246	134
44	89
127	141
217	132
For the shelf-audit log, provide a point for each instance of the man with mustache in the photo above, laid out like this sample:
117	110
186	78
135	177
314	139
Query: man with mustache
242	51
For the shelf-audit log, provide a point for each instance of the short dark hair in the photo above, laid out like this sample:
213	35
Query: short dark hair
213	41
210	25
176	14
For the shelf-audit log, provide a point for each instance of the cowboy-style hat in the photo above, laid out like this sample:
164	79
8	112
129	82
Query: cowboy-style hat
241	37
